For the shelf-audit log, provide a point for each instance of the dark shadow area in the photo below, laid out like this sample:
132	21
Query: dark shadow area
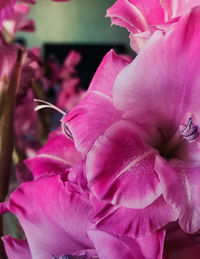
92	55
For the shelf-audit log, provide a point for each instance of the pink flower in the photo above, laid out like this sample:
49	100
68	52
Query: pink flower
141	135
142	18
70	93
71	61
6	8
17	22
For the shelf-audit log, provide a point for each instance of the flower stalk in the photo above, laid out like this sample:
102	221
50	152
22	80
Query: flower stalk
7	107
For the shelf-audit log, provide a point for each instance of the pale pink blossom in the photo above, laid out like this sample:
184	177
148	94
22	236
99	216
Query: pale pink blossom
141	18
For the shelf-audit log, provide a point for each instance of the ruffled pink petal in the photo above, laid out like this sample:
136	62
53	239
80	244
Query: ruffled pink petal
112	247
133	222
181	188
154	98
136	15
54	219
58	154
120	168
16	248
83	121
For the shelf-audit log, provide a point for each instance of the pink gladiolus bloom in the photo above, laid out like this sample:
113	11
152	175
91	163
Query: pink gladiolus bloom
142	18
143	152
17	22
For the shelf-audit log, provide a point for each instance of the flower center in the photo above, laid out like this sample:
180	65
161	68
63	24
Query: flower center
189	132
185	135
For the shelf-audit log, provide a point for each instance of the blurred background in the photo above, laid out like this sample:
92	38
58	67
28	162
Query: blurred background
76	21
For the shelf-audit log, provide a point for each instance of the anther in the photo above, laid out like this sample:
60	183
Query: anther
189	132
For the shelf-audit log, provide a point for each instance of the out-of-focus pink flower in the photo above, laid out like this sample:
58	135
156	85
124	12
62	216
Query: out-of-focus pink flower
70	63
8	55
70	93
143	152
26	121
32	70
142	18
17	21
6	8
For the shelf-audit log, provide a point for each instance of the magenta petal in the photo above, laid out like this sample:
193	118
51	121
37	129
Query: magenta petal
181	190
90	118
16	248
83	121
4	207
133	222
120	168
106	73
112	247
58	154
54	219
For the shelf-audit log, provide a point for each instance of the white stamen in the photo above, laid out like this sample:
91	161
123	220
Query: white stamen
47	105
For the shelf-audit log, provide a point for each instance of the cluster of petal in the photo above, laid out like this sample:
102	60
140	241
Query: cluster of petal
63	210
129	165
